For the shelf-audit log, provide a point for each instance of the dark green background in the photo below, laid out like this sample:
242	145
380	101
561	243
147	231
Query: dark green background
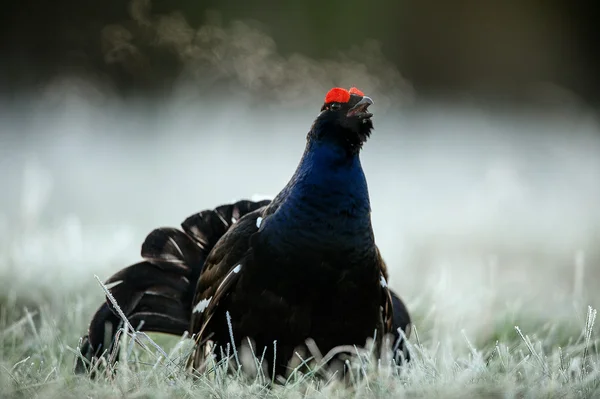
486	48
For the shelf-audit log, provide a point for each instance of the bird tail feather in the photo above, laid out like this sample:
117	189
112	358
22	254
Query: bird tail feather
156	294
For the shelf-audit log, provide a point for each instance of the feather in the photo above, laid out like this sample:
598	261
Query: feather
157	292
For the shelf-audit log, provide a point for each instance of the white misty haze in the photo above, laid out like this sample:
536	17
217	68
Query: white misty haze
450	190
475	211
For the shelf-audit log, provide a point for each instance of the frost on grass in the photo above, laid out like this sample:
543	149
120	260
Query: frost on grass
515	352
37	348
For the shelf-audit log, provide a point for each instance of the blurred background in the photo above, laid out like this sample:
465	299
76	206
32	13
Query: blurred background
484	169
529	50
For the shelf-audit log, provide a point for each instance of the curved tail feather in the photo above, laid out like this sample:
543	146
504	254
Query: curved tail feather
156	294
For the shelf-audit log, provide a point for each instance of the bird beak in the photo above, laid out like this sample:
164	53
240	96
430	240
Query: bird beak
360	109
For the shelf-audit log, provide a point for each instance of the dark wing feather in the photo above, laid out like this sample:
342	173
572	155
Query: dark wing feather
222	271
204	317
394	314
387	306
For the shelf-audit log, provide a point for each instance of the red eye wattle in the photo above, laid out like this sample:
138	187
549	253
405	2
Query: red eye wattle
337	95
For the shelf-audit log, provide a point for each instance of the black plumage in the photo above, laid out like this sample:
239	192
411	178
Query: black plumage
156	294
304	265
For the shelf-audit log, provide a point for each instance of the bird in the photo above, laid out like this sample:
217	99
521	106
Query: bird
301	267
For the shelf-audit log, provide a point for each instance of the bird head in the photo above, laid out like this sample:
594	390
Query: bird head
344	118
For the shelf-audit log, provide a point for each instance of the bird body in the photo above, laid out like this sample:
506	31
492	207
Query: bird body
303	266
309	268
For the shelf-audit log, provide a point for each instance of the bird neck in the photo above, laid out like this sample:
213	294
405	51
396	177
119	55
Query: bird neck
325	202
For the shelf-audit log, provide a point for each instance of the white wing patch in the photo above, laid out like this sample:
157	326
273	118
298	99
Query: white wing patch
383	282
202	305
233	220
258	222
237	268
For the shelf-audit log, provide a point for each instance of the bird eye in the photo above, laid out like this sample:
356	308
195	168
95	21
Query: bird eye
334	106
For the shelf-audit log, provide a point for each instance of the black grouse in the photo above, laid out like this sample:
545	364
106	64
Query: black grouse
302	266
